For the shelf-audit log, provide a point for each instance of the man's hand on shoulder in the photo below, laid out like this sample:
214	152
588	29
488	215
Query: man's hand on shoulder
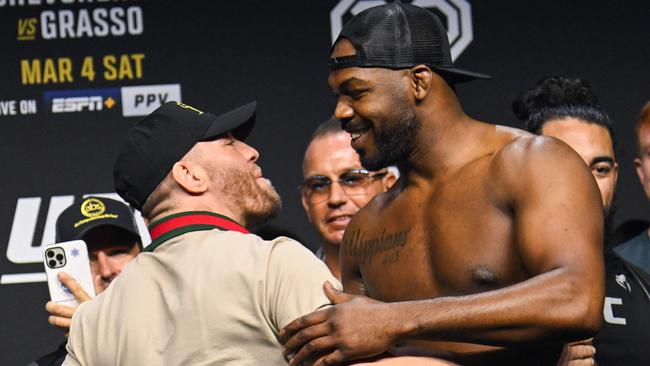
341	332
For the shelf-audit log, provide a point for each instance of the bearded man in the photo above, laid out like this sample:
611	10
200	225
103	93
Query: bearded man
487	249
205	291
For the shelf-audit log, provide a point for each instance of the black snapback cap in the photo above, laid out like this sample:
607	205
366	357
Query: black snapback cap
156	143
92	212
399	36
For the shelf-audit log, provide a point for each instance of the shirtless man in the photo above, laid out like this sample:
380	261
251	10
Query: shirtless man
488	248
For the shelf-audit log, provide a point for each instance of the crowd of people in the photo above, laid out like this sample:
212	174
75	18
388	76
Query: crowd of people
445	240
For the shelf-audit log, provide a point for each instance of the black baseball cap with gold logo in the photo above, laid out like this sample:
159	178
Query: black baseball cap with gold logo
92	212
156	143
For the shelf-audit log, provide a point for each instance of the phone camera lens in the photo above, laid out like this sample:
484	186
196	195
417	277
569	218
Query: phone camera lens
50	254
59	257
52	263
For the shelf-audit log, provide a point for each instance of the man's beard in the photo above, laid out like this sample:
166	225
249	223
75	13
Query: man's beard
394	143
258	204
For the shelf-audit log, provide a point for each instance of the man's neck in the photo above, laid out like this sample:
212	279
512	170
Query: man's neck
447	137
181	223
448	145
198	204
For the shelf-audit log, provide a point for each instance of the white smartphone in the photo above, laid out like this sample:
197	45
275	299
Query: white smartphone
70	257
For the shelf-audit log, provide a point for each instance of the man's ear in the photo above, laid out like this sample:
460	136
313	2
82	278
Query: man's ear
638	165
388	180
190	176
421	79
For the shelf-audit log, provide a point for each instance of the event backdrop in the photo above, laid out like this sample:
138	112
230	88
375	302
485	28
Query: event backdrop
75	75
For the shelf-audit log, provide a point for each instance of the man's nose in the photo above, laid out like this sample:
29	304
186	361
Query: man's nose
337	195
343	111
250	152
105	267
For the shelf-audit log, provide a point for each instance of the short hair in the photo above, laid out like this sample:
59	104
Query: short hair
561	98
330	126
641	122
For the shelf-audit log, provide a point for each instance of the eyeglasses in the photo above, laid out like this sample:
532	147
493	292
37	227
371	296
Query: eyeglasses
317	188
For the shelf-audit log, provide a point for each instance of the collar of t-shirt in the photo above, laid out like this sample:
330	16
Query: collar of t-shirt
185	222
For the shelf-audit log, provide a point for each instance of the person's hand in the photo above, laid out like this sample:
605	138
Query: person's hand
578	354
61	315
355	327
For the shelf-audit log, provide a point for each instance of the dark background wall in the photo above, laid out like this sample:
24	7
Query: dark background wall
226	53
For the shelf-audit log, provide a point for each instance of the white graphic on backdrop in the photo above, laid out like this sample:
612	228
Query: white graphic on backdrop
21	248
457	12
144	99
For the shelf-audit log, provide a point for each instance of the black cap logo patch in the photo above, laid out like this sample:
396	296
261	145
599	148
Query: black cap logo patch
92	207
183	105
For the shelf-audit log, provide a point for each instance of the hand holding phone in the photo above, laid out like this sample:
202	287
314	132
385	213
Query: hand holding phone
61	315
72	258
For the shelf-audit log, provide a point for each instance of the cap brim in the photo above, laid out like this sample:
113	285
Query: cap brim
239	120
460	76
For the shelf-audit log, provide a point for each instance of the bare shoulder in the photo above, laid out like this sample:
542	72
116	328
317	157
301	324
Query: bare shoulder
523	161
517	144
521	152
372	214
362	218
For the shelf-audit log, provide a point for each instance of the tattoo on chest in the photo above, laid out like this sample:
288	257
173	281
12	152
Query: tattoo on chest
365	248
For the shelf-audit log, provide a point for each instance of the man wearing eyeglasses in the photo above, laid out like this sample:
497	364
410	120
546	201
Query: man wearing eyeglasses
335	187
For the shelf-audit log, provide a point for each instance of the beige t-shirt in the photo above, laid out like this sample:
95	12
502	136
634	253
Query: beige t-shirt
203	298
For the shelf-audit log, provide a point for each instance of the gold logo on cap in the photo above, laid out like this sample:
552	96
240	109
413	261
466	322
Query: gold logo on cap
183	105
92	207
